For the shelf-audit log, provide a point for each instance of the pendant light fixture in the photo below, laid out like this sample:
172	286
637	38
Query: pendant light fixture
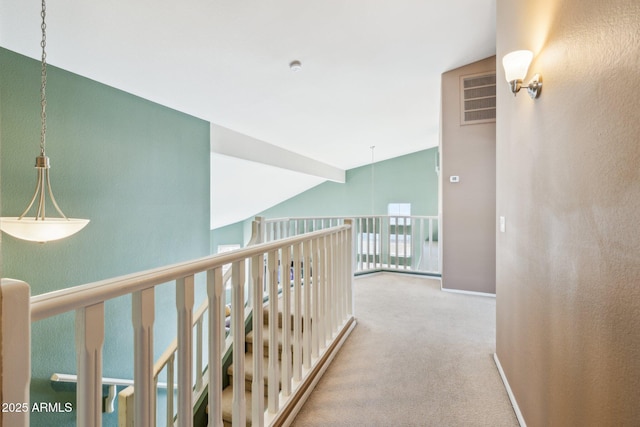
39	228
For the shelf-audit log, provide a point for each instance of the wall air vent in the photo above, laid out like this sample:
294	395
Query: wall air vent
477	99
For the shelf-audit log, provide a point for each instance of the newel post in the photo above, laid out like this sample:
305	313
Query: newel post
15	348
257	231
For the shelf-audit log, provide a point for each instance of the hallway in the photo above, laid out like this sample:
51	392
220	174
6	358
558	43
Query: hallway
418	357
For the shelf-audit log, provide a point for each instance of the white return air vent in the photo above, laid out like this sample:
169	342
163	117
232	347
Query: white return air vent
478	98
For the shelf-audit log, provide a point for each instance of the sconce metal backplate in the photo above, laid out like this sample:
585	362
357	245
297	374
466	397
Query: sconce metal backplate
535	86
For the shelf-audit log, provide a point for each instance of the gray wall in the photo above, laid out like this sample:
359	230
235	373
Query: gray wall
468	207
568	183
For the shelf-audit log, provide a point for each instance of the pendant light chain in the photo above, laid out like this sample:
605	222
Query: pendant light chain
43	86
40	228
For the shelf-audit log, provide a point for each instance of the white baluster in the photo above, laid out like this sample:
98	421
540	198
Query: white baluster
331	281
199	349
306	328
257	385
222	313
336	281
389	232
216	335
343	275
368	264
429	243
273	371
328	290
322	294
335	301
375	243
285	364
351	265
170	390
335	304
184	305
315	339
404	242
239	415
418	242
297	313
361	245
144	395
89	340
397	249
340	278
248	288
344	265
366	241
346	268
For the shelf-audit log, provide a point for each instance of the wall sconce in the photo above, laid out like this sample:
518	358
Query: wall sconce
516	64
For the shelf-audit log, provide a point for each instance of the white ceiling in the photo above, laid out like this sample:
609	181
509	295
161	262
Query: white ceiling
371	68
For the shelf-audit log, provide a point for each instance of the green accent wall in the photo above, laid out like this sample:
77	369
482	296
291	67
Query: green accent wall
405	179
138	170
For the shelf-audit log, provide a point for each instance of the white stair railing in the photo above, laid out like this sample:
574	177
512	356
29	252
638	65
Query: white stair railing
382	242
332	279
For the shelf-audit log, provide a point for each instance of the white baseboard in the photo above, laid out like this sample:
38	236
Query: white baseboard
512	398
461	291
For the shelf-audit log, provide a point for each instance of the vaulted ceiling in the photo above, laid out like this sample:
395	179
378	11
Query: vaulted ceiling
370	68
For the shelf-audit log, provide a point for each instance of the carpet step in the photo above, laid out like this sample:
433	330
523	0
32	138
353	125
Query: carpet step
227	393
248	372
281	308
227	406
265	341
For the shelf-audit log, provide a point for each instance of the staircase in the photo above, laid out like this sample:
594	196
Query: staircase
227	393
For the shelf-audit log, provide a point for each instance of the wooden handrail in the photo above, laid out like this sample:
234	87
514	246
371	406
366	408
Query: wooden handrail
57	302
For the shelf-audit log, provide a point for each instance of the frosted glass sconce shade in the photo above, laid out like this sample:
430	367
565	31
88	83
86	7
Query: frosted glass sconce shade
516	65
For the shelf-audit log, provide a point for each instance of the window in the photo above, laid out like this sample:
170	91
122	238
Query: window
398	209
227	248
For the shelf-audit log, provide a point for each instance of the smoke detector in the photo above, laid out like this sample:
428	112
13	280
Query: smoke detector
295	66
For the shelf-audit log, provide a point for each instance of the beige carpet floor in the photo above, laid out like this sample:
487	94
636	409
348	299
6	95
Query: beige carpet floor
418	357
